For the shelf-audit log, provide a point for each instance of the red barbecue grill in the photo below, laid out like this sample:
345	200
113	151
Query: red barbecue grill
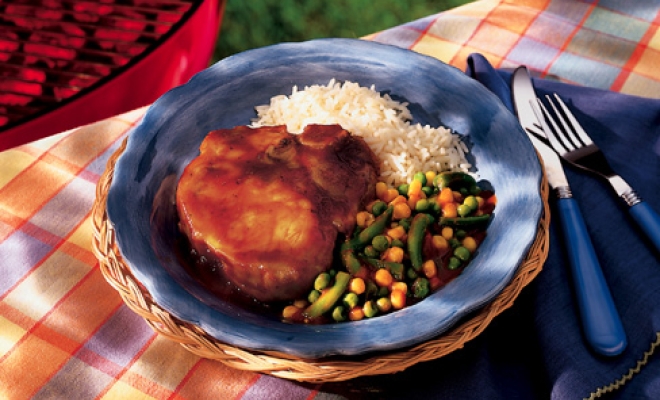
65	63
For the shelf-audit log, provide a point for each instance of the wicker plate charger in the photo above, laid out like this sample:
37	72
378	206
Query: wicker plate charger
194	339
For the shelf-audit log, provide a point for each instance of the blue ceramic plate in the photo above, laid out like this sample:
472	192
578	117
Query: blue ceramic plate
140	199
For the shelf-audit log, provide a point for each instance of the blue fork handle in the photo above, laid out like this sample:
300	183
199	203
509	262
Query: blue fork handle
600	320
648	220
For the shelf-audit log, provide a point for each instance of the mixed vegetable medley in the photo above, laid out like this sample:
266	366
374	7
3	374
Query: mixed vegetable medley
409	242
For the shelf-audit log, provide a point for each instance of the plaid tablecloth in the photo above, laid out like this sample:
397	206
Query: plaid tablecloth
65	333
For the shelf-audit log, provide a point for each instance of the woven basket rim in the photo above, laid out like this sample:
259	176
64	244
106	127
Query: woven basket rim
332	369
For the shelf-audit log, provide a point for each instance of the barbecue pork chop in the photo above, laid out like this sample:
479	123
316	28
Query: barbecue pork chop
268	205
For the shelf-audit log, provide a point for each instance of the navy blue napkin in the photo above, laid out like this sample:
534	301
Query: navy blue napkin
535	350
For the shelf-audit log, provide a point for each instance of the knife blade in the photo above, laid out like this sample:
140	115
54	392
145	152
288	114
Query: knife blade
600	319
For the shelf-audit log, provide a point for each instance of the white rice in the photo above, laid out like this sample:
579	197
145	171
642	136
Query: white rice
403	148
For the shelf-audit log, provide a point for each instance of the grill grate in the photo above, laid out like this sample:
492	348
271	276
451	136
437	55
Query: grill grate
52	50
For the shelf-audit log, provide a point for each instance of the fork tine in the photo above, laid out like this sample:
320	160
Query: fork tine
543	115
565	133
577	130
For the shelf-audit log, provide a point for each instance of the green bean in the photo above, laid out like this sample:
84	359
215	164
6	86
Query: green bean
416	238
328	297
454	180
349	259
466	222
365	237
370	252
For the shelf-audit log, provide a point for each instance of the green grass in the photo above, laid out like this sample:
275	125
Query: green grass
249	24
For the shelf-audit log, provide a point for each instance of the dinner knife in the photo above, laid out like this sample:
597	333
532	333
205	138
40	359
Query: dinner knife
600	319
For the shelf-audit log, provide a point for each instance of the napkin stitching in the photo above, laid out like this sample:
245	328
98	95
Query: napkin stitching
630	374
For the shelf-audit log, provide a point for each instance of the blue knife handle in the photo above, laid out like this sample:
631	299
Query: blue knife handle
648	220
600	319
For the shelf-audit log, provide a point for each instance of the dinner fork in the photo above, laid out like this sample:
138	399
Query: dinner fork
567	137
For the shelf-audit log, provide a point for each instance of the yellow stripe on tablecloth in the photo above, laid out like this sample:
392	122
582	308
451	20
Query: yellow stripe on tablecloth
12	162
438	48
36	296
165	363
10	334
29	366
82	235
122	391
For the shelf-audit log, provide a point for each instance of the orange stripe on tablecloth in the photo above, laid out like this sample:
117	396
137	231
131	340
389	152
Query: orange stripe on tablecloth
186	378
30	366
570	37
16	317
79	253
136	381
636	55
454	61
210	376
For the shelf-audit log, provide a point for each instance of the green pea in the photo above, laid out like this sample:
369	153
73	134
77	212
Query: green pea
313	296
420	176
351	300
405	223
454	243
471	202
422	205
383	291
460	234
475	190
463	210
411	273
428	191
462	253
371	252
380	243
378	208
464	191
339	314
372	289
421	288
322	281
403	189
370	309
454	263
384	304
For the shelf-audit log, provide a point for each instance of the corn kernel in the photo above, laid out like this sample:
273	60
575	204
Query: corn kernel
415	187
356	314
357	286
390	195
439	242
447	232
401	211
399	286
445	196
398	299
429	268
384	304
430	176
383	278
397	232
398	199
381	189
449	210
393	254
470	244
364	219
290	311
300	303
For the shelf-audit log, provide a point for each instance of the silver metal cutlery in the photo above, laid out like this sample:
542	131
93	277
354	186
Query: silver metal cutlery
574	145
601	323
